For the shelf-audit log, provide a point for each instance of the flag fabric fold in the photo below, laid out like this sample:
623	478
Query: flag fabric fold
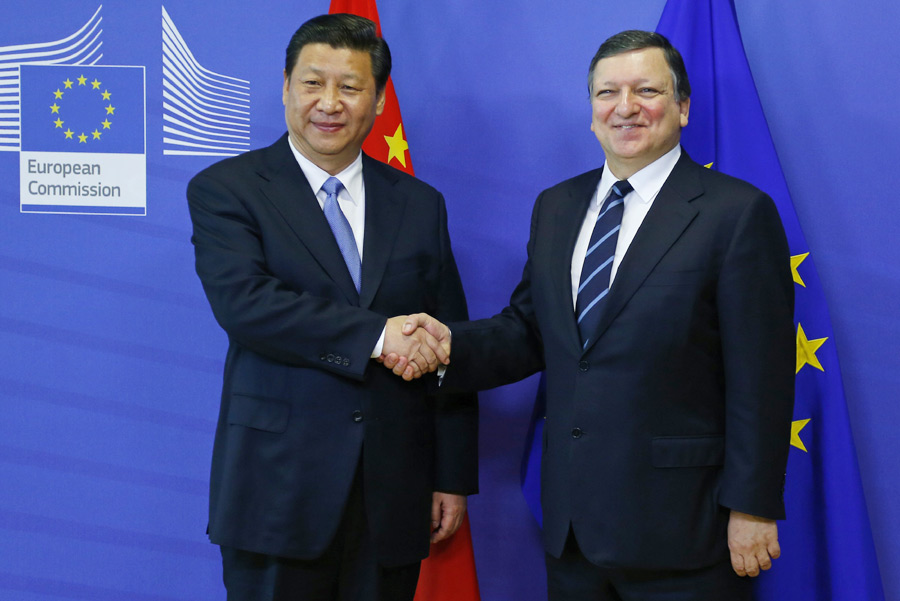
448	574
826	541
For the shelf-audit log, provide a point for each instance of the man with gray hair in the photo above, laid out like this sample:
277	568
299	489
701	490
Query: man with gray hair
658	297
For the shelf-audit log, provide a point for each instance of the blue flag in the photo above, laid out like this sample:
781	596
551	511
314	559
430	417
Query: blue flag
75	108
826	541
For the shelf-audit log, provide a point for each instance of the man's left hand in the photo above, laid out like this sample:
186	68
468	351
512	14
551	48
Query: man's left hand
447	513
753	542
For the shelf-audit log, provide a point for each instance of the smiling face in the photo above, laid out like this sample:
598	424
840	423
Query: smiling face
330	104
635	115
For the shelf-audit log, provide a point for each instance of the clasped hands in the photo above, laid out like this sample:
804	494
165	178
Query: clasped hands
415	345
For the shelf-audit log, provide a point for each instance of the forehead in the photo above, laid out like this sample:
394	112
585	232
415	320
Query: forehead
343	61
646	64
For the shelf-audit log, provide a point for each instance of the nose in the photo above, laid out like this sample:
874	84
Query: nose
627	104
329	100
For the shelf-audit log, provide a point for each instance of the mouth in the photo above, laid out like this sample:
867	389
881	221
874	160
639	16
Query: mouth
328	127
627	126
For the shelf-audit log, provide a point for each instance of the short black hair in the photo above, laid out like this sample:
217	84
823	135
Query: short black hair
635	39
342	30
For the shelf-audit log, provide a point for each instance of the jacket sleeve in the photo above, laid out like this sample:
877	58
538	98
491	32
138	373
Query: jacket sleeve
255	306
502	349
755	307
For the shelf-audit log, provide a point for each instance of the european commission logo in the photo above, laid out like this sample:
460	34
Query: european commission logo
83	140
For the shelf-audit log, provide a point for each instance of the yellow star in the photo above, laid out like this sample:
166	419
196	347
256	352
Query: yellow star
82	80
397	145
106	123
96	134
58	122
58	94
54	108
106	94
708	165
68	83
110	110
806	350
69	133
82	138
795	263
796	441
95	84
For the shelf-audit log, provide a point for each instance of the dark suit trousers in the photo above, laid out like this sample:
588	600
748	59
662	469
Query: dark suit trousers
347	571
573	578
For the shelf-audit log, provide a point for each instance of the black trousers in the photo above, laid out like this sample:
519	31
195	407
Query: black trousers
572	577
347	571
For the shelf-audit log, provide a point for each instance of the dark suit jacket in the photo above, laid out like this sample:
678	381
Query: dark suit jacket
301	399
681	407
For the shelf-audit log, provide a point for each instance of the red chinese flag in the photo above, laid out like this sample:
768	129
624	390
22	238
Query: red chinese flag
387	140
449	572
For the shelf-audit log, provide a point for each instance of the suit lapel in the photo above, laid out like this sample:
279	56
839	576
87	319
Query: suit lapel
384	211
667	219
288	190
569	217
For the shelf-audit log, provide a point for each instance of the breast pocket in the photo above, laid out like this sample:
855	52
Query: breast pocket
674	278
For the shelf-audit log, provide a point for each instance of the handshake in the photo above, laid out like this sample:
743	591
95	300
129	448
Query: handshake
415	345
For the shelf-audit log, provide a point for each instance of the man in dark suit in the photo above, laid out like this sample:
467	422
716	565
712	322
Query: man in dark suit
329	476
669	359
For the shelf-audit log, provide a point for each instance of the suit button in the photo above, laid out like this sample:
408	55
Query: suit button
576	432
338	359
357	416
330	358
346	362
322	357
583	365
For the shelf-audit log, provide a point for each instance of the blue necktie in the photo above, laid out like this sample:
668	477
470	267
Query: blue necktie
343	233
594	284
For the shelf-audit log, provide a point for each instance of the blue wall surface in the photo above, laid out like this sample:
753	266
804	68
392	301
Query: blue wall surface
112	360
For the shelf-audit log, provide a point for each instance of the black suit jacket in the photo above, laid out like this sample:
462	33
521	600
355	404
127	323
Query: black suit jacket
681	407
301	399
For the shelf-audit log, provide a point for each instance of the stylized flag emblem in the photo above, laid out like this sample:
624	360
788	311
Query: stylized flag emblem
83	139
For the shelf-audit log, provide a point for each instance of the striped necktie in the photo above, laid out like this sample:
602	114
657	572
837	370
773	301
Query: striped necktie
343	233
595	274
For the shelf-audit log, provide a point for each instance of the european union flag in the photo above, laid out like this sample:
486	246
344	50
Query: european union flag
76	108
827	548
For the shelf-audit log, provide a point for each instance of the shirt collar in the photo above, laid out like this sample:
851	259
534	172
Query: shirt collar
351	176
647	182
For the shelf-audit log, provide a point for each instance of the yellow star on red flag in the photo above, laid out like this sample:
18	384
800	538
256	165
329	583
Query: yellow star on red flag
397	145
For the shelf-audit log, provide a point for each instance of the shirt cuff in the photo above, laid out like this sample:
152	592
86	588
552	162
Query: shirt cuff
379	346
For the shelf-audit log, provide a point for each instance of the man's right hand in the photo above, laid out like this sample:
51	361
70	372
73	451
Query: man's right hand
434	334
411	352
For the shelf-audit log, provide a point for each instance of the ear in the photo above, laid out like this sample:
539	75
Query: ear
379	103
285	89
684	107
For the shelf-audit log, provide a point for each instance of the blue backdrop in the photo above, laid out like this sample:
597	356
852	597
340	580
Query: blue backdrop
112	361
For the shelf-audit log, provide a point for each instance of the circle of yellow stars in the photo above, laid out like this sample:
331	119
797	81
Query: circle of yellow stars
55	108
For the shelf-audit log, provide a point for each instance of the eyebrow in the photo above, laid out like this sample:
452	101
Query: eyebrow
343	76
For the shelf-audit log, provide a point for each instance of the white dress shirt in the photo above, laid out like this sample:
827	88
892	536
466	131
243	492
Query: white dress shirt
646	183
351	198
